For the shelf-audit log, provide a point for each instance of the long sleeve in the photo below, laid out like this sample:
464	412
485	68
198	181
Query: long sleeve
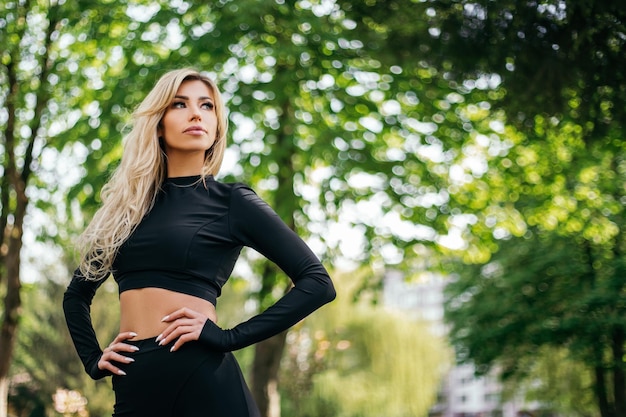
254	224
77	308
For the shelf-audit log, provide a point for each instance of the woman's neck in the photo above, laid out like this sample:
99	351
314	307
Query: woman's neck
184	166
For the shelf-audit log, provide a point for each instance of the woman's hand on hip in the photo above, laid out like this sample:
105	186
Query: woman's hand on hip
185	325
111	353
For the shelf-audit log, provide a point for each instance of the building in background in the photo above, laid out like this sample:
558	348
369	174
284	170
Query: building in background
462	394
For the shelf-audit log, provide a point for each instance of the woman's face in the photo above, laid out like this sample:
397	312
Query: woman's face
189	124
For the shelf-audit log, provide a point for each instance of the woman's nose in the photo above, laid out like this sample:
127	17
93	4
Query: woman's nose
195	113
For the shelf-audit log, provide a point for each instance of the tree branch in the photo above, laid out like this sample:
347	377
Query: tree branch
42	97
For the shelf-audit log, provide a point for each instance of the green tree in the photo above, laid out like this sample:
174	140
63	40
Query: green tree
45	359
560	265
560	58
557	382
544	291
391	363
26	94
549	140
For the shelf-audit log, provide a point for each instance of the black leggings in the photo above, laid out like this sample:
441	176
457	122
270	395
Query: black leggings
191	382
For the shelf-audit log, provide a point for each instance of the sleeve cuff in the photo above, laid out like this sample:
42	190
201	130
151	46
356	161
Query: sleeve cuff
96	373
212	336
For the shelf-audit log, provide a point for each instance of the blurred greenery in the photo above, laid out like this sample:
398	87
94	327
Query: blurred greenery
358	359
45	359
556	380
481	139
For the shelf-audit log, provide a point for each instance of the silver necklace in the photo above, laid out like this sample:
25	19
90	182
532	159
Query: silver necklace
186	185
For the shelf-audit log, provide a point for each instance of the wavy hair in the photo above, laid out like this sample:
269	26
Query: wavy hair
131	191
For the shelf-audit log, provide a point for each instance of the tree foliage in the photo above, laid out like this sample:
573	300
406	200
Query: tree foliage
416	122
544	291
552	206
559	58
544	217
556	381
45	359
362	360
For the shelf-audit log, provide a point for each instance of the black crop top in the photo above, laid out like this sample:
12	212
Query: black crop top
189	243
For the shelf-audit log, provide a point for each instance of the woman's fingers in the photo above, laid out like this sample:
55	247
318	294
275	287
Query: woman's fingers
188	313
107	362
184	338
180	328
110	353
181	313
185	325
124	336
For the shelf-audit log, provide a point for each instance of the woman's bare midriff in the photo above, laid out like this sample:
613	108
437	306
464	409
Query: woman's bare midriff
141	310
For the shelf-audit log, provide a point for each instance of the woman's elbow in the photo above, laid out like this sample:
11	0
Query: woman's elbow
329	291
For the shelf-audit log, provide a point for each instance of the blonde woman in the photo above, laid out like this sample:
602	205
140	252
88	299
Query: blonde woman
170	234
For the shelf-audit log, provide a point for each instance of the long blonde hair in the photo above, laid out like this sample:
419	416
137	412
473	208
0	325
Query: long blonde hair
131	191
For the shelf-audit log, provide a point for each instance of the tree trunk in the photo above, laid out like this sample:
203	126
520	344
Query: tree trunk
600	391
619	380
268	354
12	299
16	181
597	354
265	367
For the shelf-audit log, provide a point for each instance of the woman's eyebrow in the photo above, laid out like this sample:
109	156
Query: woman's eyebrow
199	98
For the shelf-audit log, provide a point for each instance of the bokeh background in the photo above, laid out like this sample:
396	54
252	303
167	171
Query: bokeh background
459	166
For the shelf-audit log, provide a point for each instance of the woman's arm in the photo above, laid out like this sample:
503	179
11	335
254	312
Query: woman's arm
255	224
77	308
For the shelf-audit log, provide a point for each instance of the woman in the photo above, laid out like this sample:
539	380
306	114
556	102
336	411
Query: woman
170	234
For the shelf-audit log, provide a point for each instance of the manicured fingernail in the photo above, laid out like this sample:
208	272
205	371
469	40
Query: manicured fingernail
172	349
159	337
130	360
165	318
120	372
135	348
133	334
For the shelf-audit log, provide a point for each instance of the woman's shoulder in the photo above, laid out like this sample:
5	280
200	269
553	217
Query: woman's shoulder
243	200
231	189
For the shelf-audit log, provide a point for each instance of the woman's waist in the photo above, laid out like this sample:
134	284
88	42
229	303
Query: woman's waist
142	310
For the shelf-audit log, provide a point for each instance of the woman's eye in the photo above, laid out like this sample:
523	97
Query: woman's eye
178	105
208	106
